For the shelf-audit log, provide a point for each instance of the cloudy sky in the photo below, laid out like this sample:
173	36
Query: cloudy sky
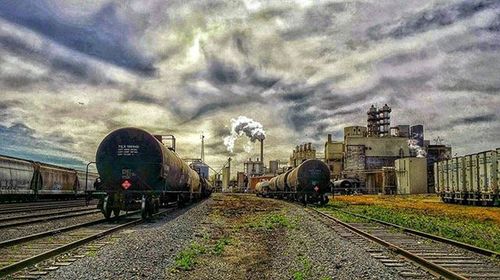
72	71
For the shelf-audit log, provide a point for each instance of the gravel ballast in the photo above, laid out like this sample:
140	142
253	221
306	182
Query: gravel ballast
24	230
236	237
142	252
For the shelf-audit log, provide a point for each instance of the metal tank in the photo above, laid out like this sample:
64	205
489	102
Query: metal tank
262	187
281	183
272	184
311	176
134	165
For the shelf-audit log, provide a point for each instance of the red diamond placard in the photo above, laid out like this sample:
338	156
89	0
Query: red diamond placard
126	184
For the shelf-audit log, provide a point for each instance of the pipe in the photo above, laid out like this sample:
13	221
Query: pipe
262	151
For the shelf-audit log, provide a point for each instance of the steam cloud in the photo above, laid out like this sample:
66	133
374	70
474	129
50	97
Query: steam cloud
412	143
244	125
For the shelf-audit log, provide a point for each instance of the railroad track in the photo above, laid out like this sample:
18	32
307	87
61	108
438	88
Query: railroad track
440	256
18	208
16	254
10	222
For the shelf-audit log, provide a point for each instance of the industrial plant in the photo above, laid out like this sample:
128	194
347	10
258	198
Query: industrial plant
376	158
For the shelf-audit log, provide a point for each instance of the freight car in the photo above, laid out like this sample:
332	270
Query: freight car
25	180
346	186
308	183
471	179
139	172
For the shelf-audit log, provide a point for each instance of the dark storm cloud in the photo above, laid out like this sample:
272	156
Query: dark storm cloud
73	67
34	148
138	96
212	107
475	47
104	35
304	69
236	85
317	20
7	104
475	119
495	25
471	86
17	46
431	18
17	82
222	73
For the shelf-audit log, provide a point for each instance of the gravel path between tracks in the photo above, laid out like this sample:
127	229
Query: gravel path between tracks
47	211
230	237
24	230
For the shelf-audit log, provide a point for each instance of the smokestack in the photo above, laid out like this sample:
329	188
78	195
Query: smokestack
262	150
329	138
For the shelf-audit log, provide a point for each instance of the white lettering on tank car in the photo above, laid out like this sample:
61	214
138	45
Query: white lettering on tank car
127	150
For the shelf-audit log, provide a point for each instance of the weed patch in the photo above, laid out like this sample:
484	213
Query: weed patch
186	259
272	221
467	228
220	244
305	271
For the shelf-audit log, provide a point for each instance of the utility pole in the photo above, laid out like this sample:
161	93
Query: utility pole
202	147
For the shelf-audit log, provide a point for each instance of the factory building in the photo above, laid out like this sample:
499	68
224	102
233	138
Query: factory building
226	173
365	158
402	130
370	152
242	180
334	157
273	167
253	167
201	168
411	175
302	153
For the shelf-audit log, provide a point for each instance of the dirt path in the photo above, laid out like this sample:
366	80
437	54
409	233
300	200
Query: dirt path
246	237
237	241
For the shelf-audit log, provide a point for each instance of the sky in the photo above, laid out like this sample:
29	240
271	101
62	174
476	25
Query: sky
72	71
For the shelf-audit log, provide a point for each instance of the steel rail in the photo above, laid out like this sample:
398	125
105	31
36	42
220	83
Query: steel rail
7	219
38	208
6	206
46	219
419	260
4	271
462	245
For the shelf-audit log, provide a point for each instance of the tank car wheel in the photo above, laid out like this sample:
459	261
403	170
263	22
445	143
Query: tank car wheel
324	200
116	212
156	206
144	208
180	201
106	207
304	199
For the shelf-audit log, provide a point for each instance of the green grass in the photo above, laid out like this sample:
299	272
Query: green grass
484	234
273	221
186	259
220	244
305	271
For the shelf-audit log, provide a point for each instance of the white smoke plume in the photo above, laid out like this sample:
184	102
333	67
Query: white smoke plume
244	125
412	143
